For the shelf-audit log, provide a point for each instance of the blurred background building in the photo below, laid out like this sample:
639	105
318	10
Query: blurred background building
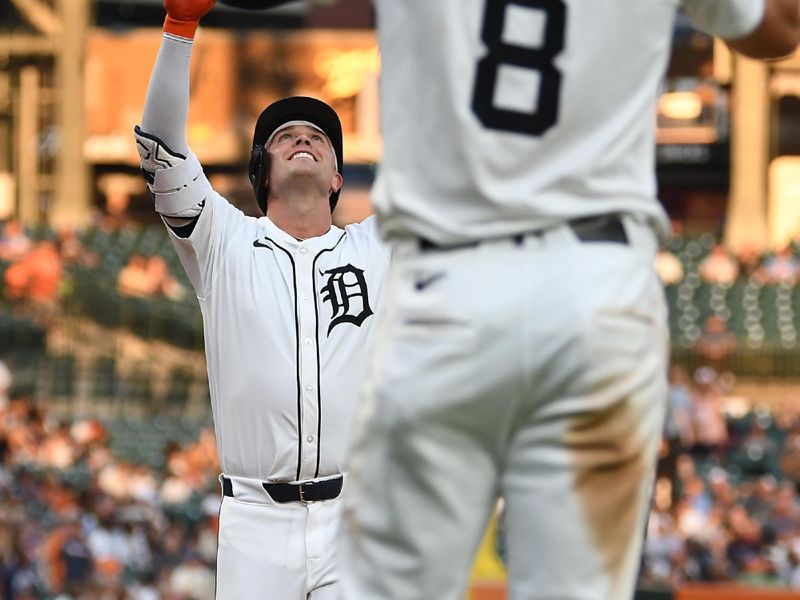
107	464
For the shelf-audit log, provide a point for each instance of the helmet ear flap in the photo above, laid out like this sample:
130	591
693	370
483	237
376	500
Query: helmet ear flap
257	172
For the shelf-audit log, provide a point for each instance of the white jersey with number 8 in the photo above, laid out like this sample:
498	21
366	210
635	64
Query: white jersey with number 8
515	129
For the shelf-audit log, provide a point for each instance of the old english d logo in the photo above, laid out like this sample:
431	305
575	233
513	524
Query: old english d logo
346	291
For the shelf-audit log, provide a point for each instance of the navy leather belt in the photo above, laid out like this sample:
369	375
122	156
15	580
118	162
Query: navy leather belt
310	491
602	228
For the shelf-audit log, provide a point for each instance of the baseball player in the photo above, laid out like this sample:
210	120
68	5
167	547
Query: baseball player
522	349
288	304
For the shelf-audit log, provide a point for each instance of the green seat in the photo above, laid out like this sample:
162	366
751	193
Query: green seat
178	389
105	383
62	373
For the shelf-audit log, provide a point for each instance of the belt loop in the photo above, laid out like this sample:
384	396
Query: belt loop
227	487
600	228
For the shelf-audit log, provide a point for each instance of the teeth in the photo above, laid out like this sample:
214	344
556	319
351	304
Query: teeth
303	155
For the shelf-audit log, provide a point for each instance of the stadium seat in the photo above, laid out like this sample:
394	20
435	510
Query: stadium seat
105	384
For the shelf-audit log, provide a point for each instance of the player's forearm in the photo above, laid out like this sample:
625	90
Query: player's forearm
167	104
776	36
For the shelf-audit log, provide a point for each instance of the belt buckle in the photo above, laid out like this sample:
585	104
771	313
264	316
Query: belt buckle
302	495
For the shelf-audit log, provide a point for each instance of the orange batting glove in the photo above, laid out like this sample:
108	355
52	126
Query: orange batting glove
183	16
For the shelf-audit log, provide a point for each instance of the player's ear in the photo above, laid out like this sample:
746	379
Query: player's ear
338	180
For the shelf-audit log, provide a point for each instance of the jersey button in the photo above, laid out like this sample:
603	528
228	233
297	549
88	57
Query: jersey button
308	341
309	388
303	250
306	296
310	439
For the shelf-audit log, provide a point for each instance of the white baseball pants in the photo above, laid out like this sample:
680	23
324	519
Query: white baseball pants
272	551
532	369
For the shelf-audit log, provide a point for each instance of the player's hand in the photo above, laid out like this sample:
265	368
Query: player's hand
183	16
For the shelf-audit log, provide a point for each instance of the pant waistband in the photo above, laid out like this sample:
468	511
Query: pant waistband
283	492
601	228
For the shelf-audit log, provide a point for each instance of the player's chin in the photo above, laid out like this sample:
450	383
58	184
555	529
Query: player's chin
310	170
309	180
305	168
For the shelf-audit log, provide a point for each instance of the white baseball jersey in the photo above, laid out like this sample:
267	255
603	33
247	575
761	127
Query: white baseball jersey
287	328
529	365
517	115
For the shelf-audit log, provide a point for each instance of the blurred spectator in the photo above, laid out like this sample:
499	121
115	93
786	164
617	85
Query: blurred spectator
710	428
783	517
14	244
749	259
722	492
36	277
790	458
678	424
73	252
744	548
20	576
193	579
716	345
133	279
759	452
148	277
719	267
781	267
68	557
118	189
57	450
6	380
163	281
668	267
678	429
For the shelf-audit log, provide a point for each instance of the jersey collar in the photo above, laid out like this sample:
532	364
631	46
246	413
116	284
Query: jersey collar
289	241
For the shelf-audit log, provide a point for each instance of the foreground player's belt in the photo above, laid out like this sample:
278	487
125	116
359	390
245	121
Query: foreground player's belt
309	491
601	228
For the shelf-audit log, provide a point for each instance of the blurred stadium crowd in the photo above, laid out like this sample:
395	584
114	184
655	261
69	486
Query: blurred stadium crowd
125	508
78	520
725	503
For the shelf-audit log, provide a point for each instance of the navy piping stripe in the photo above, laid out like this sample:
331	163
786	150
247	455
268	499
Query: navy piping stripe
319	386
297	367
216	562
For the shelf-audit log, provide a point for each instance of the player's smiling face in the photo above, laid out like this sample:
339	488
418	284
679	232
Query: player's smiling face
302	148
301	151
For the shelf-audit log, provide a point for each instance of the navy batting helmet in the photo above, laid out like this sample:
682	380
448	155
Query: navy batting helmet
294	108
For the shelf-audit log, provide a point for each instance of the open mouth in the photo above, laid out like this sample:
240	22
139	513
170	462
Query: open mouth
303	154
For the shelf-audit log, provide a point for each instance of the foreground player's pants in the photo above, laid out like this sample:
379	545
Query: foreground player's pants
271	551
535	370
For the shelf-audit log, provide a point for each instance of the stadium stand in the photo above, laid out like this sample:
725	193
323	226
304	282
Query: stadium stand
124	445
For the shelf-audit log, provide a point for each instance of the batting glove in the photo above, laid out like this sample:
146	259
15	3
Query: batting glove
154	154
176	181
183	16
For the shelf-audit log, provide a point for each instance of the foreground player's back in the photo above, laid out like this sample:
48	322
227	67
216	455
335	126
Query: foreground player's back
504	117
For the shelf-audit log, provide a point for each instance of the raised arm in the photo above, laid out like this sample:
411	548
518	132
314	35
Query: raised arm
173	174
776	35
755	28
167	104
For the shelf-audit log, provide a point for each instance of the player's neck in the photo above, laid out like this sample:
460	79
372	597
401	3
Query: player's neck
302	219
